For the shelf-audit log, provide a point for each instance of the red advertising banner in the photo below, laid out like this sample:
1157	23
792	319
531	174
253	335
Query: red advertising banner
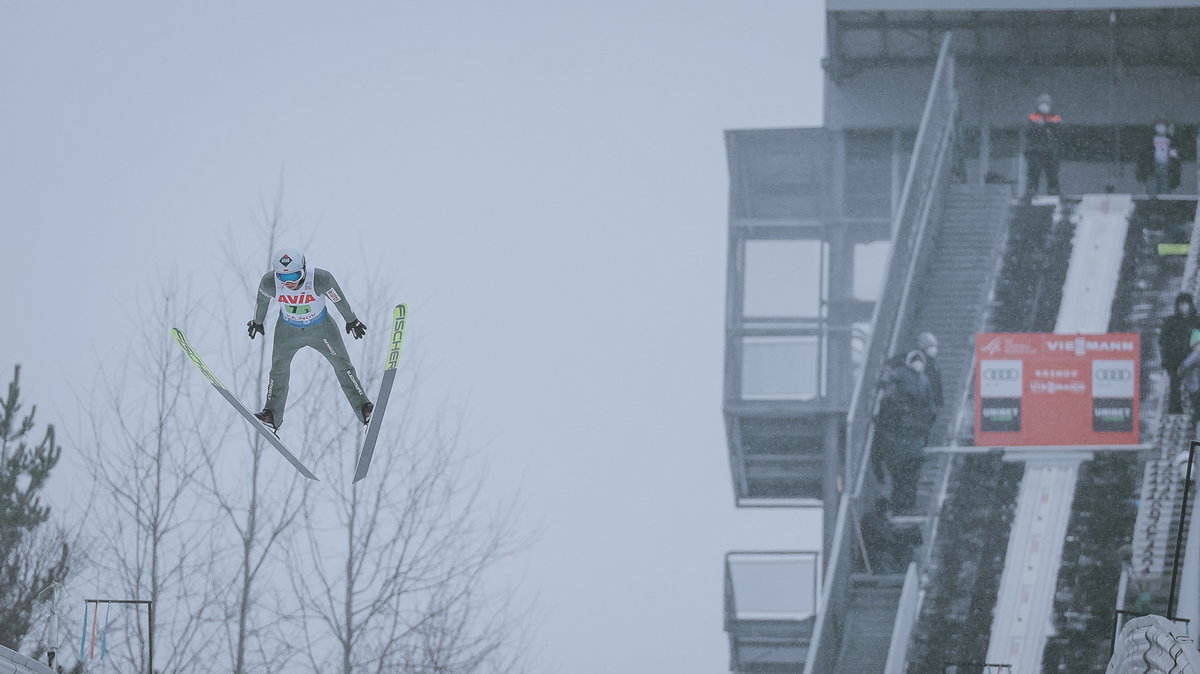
1049	389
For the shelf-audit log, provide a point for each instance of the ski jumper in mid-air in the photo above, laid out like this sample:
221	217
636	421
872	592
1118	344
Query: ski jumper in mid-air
304	321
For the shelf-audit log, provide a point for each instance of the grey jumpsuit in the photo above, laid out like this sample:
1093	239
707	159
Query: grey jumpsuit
320	333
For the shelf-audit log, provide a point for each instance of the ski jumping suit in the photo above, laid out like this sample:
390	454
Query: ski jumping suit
304	321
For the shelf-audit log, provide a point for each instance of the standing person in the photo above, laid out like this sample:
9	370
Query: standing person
909	399
1158	161
1174	344
1190	371
889	411
1042	148
927	344
304	321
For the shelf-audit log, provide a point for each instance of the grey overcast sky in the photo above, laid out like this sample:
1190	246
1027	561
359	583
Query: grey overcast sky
545	181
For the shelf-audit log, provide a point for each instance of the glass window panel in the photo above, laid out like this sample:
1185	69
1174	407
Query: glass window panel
779	368
870	266
774	586
782	279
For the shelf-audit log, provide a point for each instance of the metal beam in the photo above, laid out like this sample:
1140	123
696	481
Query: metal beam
992	449
1174	50
781	409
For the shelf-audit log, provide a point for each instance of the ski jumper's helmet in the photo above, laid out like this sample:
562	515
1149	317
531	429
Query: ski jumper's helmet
289	266
288	260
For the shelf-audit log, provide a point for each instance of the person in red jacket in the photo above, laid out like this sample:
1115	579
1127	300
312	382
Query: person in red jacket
1042	147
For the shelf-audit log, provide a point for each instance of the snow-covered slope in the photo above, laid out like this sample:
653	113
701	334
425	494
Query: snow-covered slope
1022	619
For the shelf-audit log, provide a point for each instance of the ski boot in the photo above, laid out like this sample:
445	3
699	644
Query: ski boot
267	417
364	413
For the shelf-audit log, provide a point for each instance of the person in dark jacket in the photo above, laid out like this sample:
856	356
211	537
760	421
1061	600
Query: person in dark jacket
1042	147
905	414
927	344
1174	345
1158	162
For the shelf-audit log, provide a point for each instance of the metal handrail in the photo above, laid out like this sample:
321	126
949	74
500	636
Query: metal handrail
928	174
908	224
826	612
907	613
906	616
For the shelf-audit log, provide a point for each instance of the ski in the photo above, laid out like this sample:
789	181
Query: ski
385	389
258	425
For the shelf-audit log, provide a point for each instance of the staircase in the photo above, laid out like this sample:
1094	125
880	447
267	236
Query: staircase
873	601
951	296
953	291
1160	500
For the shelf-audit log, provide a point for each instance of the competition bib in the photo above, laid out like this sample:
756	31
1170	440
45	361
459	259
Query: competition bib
300	307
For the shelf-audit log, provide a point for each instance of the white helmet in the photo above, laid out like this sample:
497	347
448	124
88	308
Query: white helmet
289	261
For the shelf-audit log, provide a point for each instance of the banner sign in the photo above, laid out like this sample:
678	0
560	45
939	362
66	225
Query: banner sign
1050	389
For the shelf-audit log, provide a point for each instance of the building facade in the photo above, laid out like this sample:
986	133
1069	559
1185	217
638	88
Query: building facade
813	211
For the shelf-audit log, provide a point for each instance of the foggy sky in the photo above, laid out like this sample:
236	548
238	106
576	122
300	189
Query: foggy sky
546	184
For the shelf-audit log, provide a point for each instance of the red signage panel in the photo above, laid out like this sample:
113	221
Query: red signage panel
1050	389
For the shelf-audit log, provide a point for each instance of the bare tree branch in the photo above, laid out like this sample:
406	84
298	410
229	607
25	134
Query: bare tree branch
160	542
391	574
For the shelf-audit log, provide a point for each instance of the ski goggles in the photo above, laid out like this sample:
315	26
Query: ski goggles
287	278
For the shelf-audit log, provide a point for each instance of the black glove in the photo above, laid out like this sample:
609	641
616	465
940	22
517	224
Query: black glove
357	328
253	327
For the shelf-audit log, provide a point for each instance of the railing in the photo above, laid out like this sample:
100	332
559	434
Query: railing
905	620
928	176
770	600
1190	277
907	614
1188	604
775	585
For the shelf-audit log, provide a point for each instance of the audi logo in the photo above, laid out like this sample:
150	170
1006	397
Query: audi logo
1006	374
1113	375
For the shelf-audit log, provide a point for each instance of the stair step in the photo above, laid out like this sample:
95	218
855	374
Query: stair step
948	299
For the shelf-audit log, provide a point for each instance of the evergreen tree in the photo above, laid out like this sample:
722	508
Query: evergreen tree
31	557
